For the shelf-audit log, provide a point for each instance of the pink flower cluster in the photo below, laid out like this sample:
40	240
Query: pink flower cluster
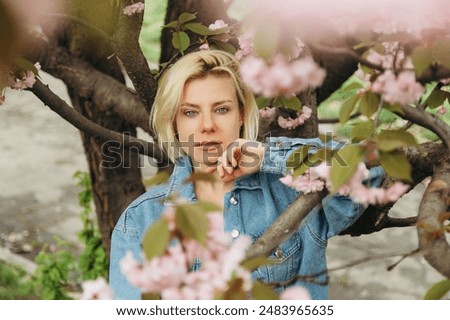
24	80
316	178
96	290
280	77
170	273
245	45
290	123
137	7
402	89
267	112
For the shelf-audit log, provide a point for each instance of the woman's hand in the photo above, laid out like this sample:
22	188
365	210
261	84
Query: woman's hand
242	157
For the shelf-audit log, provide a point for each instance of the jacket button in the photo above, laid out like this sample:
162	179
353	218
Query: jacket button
279	253
234	233
233	200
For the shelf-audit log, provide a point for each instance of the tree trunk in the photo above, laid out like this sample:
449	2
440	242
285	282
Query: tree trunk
115	173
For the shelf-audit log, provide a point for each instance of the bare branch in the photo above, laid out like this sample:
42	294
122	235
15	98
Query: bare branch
286	224
59	106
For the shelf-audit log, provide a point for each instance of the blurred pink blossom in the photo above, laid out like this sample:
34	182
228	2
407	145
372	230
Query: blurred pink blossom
137	7
280	77
295	293
245	45
402	89
267	112
441	110
316	20
96	290
2	100
218	24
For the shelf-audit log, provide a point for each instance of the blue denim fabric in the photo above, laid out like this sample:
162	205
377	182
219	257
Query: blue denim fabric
252	205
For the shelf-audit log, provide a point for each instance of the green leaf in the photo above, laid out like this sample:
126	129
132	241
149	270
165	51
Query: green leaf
192	222
422	58
224	46
296	158
261	291
171	25
159	178
186	17
26	65
396	108
150	296
441	49
362	130
369	104
352	86
344	164
156	239
436	98
347	108
438	290
255	263
293	103
389	140
262	102
181	41
198	28
396	165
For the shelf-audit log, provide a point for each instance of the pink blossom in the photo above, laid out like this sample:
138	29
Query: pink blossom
441	110
137	7
402	89
24	80
96	290
295	293
267	112
280	77
218	24
305	183
204	46
290	123
245	45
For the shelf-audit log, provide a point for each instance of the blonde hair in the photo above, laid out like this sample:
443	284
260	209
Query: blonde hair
197	65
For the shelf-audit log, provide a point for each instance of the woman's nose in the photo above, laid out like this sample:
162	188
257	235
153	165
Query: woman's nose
208	124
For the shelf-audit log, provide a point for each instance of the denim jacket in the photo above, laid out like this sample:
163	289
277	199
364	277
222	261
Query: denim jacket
253	204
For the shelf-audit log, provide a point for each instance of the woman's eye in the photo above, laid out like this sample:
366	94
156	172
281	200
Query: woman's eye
190	113
222	110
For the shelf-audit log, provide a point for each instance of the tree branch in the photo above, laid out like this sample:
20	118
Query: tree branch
126	45
432	241
427	120
59	106
91	84
286	224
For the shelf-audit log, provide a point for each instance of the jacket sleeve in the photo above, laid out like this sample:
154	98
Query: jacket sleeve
124	238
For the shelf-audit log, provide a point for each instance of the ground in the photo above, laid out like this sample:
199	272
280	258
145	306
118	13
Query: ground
40	152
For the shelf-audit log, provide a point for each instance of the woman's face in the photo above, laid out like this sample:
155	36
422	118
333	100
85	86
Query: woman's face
208	119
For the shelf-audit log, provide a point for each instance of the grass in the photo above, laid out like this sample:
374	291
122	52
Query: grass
15	283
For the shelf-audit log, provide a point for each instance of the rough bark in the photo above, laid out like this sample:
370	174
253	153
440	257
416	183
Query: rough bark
114	183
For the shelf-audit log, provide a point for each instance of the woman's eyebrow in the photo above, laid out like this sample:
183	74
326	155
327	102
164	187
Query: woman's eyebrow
193	105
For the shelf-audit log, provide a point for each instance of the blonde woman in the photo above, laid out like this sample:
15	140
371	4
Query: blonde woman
206	120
